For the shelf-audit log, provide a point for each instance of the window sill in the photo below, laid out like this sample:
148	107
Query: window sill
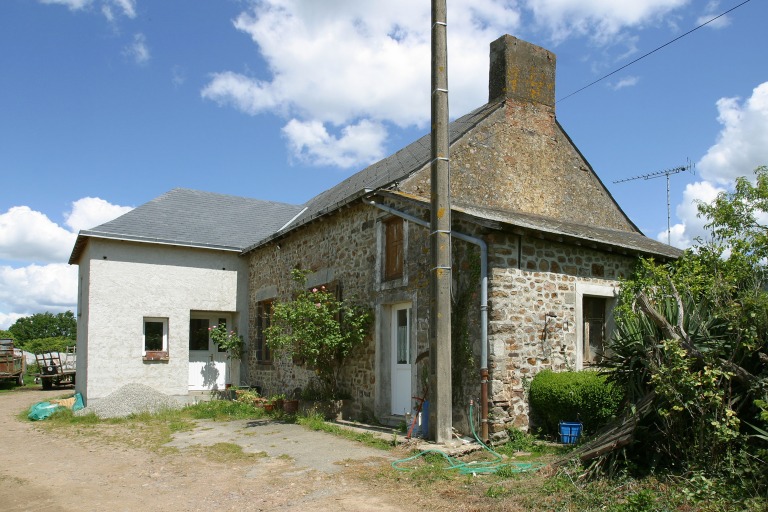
156	356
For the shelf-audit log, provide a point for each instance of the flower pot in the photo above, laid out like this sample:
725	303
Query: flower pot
269	407
291	406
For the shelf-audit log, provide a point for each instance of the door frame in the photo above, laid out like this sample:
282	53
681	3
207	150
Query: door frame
400	390
219	360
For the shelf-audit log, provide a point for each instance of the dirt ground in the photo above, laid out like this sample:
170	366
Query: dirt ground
45	471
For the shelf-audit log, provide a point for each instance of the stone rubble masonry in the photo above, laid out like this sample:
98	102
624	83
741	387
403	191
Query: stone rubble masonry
520	159
521	70
517	159
529	277
340	248
522	340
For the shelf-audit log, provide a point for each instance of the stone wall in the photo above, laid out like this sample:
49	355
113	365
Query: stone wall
535	290
344	249
519	158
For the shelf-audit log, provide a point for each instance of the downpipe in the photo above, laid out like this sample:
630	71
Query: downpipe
483	306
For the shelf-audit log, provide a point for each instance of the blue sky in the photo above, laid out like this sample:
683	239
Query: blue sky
106	104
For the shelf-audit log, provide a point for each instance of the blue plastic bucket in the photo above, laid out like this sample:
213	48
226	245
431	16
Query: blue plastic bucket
570	432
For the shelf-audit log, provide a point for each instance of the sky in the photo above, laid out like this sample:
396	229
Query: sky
107	104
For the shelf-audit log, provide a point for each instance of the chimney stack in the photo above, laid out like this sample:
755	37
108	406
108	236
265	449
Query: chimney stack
521	71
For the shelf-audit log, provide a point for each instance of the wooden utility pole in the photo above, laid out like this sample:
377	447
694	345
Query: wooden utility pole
440	283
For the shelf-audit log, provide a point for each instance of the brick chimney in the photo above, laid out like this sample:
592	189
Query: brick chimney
521	71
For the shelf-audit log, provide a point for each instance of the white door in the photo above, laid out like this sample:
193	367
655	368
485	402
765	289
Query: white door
401	358
208	366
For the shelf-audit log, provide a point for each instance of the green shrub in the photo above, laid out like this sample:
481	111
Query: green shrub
57	344
583	396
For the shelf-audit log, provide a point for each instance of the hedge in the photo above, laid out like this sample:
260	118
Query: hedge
583	396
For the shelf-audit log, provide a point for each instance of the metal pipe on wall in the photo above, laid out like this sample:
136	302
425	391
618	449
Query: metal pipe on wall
483	305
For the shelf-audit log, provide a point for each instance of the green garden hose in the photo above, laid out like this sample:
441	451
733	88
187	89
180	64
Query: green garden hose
474	467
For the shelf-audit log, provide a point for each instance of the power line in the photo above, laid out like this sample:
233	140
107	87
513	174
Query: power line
653	51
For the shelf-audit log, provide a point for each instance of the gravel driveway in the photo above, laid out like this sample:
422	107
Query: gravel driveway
303	470
309	450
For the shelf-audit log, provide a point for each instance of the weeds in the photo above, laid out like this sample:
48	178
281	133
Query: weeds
504	490
228	452
317	422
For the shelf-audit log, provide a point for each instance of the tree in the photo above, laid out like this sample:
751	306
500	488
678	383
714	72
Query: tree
693	337
318	330
740	218
44	325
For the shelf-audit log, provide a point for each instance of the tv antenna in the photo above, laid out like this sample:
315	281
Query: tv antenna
658	174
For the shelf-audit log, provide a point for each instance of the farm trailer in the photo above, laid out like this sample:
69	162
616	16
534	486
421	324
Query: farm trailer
12	362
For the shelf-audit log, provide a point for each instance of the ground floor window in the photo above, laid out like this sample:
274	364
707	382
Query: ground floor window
594	330
155	338
263	321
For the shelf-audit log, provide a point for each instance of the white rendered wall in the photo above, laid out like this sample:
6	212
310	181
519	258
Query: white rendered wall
127	282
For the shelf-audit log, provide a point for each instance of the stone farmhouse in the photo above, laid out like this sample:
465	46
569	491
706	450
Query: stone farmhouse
539	246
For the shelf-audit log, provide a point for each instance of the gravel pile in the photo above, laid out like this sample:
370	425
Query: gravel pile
131	399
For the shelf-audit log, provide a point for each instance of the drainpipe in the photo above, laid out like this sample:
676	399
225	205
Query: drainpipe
483	306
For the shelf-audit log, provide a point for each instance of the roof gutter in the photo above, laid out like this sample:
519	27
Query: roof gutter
84	235
483	303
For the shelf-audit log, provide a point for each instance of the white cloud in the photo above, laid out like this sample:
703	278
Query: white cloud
28	235
742	144
36	288
691	227
89	212
359	143
351	67
73	5
711	11
600	20
138	49
31	238
126	7
340	64
628	81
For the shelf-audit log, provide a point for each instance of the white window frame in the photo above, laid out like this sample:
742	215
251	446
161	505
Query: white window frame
164	321
608	291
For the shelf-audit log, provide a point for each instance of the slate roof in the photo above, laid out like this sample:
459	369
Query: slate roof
390	170
195	219
622	242
581	234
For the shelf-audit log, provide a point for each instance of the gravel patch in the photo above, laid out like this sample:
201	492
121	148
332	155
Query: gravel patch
131	399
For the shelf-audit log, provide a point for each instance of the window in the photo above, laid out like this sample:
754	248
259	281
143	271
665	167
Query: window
155	339
402	340
263	321
198	333
594	329
393	248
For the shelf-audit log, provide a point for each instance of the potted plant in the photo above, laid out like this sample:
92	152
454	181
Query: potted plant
317	328
278	400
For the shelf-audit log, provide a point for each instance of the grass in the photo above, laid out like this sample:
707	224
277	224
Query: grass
228	452
505	489
317	422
